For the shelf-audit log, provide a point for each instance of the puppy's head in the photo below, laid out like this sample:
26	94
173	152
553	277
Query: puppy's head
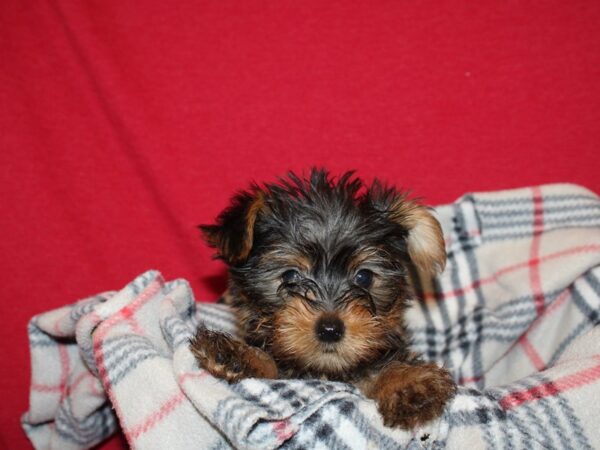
319	267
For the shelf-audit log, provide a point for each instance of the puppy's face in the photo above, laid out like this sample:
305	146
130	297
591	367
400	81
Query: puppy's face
319	268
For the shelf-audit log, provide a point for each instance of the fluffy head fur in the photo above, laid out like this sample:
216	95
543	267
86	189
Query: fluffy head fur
319	270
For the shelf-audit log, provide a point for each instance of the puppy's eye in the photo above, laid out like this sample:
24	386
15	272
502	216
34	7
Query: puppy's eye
364	278
291	276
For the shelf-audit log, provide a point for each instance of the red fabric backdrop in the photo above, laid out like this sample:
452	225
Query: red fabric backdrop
125	124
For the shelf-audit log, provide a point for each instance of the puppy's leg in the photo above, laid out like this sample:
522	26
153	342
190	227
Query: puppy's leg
230	359
409	395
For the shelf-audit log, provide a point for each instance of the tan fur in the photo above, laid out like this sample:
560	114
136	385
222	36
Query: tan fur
409	395
229	358
227	249
257	205
366	255
295	338
326	321
425	238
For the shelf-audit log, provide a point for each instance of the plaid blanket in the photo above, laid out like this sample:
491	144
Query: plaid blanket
513	317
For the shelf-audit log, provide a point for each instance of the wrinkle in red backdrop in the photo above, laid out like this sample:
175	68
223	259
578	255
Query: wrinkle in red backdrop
123	125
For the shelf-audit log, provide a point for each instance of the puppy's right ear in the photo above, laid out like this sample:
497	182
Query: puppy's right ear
425	239
233	234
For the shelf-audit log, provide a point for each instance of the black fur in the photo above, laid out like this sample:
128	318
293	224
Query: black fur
329	222
320	274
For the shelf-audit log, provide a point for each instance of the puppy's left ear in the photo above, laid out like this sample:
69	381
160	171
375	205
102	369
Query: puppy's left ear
233	233
425	239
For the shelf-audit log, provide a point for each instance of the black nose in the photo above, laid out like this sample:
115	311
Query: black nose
329	329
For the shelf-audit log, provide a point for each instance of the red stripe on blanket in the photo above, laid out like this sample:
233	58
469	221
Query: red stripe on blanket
47	388
554	306
528	348
65	372
153	419
467	380
128	311
82	376
534	255
283	430
192	375
94	387
103	329
65	366
592	248
552	388
124	314
534	274
532	353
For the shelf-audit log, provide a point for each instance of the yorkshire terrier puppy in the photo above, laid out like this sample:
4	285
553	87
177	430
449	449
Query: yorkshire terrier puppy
320	277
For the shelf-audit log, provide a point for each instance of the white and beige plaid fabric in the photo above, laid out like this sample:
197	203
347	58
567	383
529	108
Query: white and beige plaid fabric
514	317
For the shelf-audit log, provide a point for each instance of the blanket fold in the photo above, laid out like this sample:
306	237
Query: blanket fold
514	317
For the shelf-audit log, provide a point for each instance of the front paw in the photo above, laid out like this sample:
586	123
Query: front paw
227	358
411	395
